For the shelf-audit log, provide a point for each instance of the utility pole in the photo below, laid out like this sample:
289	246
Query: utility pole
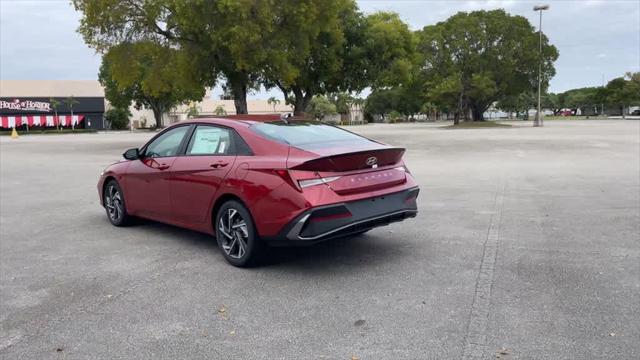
538	119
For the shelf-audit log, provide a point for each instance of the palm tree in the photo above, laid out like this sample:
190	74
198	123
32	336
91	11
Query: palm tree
55	104
273	101
70	101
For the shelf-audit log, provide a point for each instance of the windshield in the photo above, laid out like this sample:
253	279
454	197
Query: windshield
306	134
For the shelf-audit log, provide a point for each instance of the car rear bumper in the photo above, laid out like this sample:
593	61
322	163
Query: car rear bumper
342	219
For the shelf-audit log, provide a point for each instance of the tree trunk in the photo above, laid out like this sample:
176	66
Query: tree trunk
300	101
157	114
477	113
239	90
299	106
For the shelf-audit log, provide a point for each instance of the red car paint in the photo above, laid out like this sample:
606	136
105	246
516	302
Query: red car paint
185	190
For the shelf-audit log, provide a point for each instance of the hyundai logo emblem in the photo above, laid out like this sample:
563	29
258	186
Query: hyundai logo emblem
372	161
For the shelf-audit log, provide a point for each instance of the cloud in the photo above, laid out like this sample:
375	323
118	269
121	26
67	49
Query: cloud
592	3
488	5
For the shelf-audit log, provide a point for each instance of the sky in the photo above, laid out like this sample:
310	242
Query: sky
595	38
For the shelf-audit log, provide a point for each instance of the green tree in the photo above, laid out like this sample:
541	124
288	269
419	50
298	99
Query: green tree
342	101
409	99
303	47
474	59
582	98
331	47
519	104
379	103
117	118
311	36
623	91
554	102
320	106
390	56
274	102
151	76
222	38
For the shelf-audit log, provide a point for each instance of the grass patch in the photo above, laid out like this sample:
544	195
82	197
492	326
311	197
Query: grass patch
50	132
477	125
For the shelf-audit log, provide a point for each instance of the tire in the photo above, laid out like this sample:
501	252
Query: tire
236	235
113	200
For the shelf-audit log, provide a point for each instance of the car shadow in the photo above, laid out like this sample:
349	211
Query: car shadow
366	250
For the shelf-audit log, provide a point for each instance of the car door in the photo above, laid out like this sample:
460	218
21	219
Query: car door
147	183
197	176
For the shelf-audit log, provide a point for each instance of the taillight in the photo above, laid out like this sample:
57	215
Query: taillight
284	174
403	168
318	181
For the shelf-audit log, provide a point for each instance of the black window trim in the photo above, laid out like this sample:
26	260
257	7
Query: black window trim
182	149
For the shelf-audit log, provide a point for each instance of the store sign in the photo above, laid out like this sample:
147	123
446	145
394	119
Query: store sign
25	105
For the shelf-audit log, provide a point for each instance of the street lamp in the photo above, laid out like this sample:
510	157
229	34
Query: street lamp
538	118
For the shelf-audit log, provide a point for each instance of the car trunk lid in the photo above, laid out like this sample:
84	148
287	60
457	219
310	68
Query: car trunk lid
349	172
339	161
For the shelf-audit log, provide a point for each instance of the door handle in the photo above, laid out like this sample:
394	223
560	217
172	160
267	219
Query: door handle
219	164
163	167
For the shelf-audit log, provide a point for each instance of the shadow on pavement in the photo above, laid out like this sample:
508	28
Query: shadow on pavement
366	250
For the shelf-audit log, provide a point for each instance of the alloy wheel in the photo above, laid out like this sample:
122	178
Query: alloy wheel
234	230
113	202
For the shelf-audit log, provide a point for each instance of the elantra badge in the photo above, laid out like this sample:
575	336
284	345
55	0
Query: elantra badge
372	161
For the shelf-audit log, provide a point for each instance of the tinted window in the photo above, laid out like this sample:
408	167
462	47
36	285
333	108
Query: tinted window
301	133
210	140
167	144
240	145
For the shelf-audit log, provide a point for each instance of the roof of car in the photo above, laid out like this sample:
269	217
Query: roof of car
247	119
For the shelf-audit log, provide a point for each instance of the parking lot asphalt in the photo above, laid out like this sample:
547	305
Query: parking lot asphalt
527	246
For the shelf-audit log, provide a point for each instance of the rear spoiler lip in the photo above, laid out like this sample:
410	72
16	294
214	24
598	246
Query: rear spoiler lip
329	157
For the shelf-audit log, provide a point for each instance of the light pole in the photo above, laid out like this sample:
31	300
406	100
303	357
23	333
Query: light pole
602	104
538	119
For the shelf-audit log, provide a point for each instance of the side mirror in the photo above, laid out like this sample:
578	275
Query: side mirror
132	154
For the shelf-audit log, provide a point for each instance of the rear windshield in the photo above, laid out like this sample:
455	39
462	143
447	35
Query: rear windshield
306	134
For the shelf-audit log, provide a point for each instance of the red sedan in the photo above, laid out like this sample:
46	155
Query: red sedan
252	181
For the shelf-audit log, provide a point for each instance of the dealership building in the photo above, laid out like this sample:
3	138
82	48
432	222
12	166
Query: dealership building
45	103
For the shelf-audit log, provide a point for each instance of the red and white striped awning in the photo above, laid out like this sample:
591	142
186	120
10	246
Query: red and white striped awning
40	120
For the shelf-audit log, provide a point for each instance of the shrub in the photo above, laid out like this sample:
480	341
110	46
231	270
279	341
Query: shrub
220	111
118	119
395	117
320	106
